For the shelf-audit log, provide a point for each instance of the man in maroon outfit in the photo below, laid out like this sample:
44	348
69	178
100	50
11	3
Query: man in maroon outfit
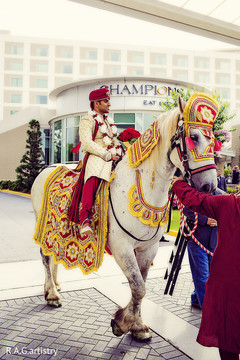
220	326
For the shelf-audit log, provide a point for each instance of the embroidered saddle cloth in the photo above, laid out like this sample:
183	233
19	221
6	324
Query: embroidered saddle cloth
60	237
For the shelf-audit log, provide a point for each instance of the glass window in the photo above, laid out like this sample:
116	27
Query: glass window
18	82
203	63
42	51
138	71
66	52
124	121
16	98
114	70
57	141
224	79
159	72
92	54
223	64
138	57
41	83
45	144
41	99
182	61
17	50
160	59
182	75
67	69
115	56
225	93
204	78
41	67
91	70
73	121
72	136
16	65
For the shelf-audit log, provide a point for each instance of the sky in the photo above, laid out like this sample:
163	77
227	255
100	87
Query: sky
64	19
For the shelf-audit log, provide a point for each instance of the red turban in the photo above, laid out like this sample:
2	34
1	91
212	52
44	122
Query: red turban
99	94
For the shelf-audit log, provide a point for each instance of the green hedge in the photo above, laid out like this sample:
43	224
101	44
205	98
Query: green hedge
10	185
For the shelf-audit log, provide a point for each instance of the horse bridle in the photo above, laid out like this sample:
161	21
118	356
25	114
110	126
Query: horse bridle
178	142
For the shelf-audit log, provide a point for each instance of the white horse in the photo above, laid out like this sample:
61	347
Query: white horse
135	254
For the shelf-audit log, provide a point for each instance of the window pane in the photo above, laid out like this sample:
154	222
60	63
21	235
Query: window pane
16	98
73	121
41	99
16	65
91	70
42	51
114	71
17	50
160	60
41	83
204	78
203	63
67	69
115	56
57	141
223	64
67	52
45	144
41	67
72	140
125	118
16	82
138	71
138	58
182	61
92	54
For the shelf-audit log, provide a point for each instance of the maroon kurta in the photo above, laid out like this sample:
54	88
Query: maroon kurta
220	326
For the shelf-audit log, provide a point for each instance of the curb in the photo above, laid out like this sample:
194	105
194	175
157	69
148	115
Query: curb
172	232
15	192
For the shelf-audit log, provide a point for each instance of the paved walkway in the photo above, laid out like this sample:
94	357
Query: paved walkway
80	329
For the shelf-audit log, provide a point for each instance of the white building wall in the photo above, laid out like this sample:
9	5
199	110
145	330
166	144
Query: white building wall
56	77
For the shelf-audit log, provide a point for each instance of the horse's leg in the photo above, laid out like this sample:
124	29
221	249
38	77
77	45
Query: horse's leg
55	273
51	285
129	318
144	258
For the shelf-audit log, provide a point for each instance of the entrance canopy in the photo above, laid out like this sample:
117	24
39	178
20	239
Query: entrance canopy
215	19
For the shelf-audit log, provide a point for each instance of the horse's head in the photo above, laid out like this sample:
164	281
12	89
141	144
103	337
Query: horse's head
192	145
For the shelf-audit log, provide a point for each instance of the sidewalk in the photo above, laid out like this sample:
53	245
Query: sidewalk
80	329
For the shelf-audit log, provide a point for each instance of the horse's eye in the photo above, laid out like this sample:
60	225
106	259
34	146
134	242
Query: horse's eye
194	137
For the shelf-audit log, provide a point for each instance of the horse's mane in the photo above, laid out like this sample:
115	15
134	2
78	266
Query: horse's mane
167	124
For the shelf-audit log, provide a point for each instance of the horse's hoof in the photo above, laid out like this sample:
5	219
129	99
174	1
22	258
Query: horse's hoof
116	329
54	303
142	336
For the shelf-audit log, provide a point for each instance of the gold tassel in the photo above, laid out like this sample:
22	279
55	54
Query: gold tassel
153	180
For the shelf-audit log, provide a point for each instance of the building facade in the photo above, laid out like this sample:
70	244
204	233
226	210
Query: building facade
135	103
33	68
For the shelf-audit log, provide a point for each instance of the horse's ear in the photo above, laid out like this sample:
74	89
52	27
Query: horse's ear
181	104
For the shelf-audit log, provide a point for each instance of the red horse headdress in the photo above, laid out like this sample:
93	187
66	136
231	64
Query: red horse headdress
200	113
